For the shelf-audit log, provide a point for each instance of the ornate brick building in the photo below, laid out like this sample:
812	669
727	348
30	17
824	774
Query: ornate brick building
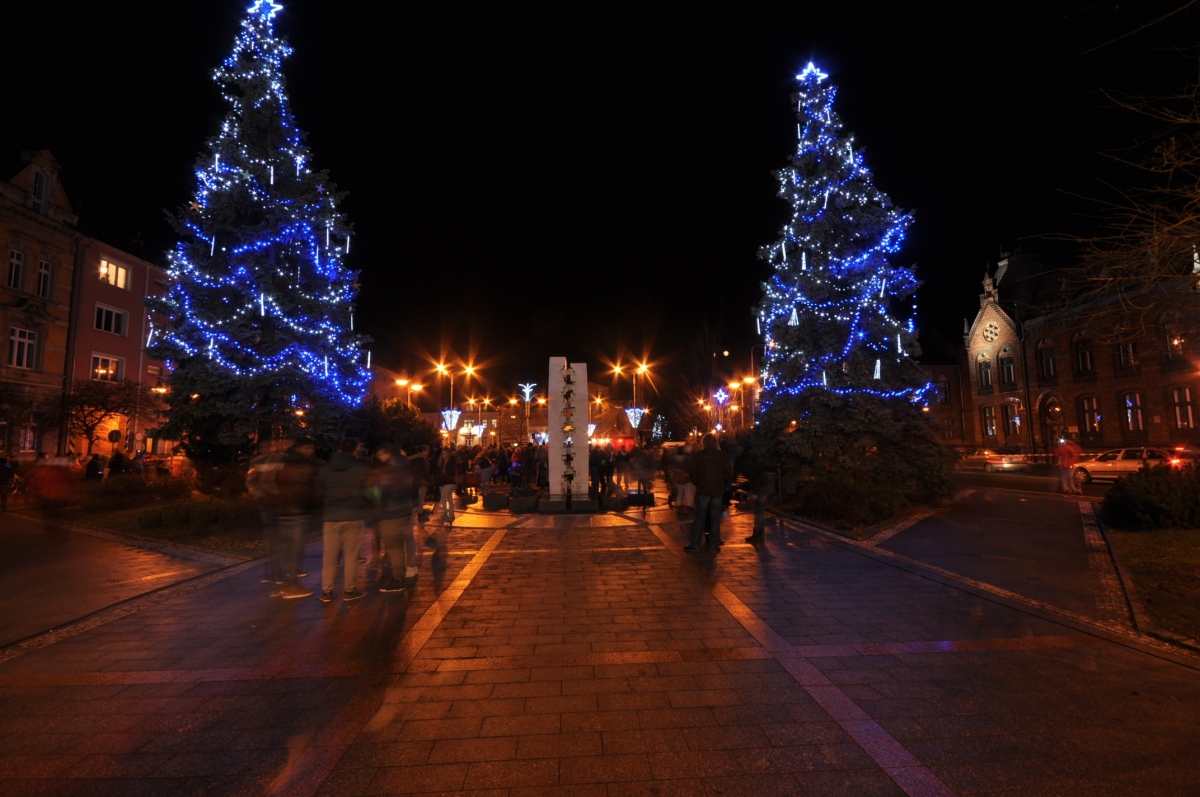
1032	381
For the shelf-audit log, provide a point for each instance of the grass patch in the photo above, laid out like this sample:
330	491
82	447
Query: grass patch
1165	567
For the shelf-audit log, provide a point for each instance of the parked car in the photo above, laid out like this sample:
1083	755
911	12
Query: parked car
991	460
1112	465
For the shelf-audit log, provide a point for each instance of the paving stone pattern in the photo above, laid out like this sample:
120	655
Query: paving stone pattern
592	656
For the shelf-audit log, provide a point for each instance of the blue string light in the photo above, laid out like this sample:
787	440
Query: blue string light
833	281
257	284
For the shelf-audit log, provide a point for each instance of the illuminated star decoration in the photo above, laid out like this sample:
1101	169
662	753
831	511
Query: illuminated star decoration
266	8
810	72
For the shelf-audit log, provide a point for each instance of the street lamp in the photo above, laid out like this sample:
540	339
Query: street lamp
443	370
410	386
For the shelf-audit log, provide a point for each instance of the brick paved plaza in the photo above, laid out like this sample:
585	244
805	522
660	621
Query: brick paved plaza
591	656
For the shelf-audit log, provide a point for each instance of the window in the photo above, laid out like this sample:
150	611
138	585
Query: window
943	390
1127	355
1135	420
154	369
1089	412
1185	414
1131	454
43	281
1083	357
16	270
113	274
1012	419
22	346
111	320
106	368
1008	373
27	439
39	192
1174	344
989	421
985	374
1049	368
947	430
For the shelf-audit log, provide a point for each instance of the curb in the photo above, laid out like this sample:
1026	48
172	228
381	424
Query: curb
148	543
1149	643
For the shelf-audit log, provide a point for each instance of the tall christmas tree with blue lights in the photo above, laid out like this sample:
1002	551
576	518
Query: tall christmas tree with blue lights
260	338
826	312
841	387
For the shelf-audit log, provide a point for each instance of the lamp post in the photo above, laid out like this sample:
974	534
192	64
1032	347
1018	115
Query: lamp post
443	370
527	392
410	386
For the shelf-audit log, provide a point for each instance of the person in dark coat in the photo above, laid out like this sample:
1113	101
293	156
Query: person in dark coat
342	483
750	465
392	480
710	471
7	475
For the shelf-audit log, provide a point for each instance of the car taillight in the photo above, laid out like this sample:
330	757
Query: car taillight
1177	462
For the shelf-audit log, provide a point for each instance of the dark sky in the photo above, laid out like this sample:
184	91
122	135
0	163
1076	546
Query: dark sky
504	166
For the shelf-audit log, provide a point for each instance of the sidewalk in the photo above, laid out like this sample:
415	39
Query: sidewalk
590	655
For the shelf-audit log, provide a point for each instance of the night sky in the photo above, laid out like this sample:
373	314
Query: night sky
504	166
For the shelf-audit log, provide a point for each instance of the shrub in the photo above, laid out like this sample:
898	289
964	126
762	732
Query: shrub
1155	498
130	490
844	501
201	516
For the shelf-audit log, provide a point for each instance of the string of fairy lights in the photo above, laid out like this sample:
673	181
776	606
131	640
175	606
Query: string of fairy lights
257	283
833	279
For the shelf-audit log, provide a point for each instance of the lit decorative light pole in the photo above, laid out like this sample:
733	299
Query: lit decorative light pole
527	392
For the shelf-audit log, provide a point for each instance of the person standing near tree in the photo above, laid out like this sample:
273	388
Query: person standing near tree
750	465
342	483
393	481
710	471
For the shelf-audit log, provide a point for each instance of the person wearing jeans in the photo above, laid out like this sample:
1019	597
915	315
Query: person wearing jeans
342	483
711	470
393	481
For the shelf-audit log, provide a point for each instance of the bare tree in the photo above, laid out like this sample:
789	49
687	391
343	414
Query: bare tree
1140	273
92	404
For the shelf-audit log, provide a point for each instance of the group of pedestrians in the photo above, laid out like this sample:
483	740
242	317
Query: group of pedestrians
342	496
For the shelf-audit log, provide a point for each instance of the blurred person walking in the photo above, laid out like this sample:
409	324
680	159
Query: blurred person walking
341	483
447	470
1067	455
7	477
419	465
710	471
750	465
393	481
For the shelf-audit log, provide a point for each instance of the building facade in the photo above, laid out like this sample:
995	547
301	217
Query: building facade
40	247
1033	382
109	334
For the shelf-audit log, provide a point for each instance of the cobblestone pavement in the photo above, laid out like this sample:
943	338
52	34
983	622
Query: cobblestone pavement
48	578
592	656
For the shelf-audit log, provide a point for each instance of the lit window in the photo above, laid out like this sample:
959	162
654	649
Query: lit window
1089	410
16	270
27	439
110	320
989	421
1185	414
1134	416
1012	419
113	274
105	368
1174	344
43	281
22	346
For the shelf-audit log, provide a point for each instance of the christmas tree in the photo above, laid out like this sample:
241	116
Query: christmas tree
260	333
842	388
826	312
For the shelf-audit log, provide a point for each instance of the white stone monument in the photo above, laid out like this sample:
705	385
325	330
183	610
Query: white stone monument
568	446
